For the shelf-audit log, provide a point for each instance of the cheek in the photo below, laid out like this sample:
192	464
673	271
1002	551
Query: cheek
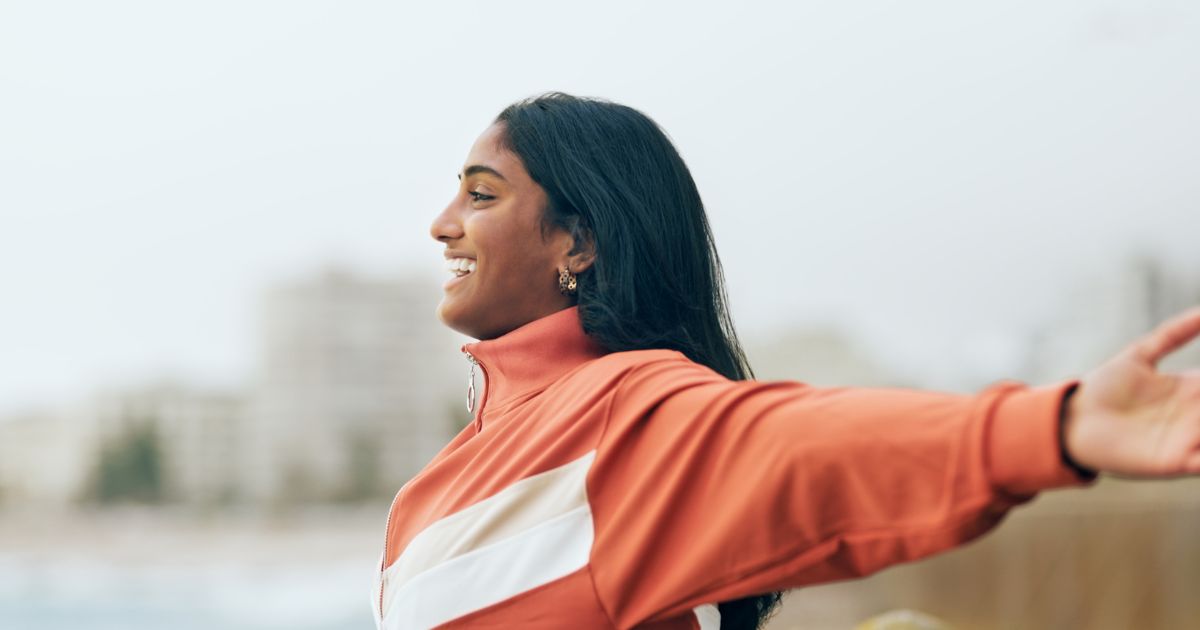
509	251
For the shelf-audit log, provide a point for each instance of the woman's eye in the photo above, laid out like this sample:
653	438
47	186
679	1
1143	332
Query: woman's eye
478	196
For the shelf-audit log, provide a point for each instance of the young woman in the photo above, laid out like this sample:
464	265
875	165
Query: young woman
622	472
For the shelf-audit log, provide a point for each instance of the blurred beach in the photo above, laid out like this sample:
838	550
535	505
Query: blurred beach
1119	556
135	569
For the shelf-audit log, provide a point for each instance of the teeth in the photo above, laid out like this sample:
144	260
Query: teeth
460	265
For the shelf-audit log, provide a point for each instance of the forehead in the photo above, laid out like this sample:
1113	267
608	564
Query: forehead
517	185
489	151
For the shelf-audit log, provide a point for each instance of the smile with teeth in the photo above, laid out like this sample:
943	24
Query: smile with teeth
460	266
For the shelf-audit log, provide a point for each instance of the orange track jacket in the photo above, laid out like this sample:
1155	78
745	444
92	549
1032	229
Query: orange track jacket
637	489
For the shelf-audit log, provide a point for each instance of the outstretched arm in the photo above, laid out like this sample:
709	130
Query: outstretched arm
1128	418
705	489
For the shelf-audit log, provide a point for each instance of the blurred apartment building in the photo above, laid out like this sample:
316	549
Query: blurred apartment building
357	386
45	455
167	441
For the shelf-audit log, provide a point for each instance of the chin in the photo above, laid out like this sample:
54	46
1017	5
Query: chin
456	320
445	315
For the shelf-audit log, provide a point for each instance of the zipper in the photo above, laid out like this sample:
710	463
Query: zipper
471	383
387	533
471	406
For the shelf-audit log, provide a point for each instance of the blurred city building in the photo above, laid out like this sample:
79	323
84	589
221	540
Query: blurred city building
358	385
168	442
44	456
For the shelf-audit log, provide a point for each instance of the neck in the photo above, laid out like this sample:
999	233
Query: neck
533	356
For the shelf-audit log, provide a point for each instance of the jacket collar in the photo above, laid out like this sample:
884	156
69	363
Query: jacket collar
532	356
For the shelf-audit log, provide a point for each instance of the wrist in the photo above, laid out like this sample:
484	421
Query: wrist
1066	416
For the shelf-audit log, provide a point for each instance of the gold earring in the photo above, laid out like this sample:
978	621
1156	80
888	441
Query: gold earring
567	282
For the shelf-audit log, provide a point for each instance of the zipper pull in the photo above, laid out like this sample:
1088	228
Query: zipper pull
471	384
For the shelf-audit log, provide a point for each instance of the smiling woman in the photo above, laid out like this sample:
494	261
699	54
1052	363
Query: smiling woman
622	471
499	246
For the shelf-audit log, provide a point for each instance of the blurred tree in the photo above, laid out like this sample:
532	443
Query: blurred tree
363	479
128	468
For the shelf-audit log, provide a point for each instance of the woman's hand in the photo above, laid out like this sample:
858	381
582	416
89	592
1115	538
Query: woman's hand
1129	419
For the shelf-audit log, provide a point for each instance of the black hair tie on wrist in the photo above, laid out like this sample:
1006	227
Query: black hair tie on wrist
1085	474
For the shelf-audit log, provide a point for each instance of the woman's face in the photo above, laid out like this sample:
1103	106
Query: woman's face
494	222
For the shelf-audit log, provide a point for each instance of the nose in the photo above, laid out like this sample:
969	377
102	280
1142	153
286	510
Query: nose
446	225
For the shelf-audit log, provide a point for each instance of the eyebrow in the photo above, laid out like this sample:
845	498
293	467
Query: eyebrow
475	169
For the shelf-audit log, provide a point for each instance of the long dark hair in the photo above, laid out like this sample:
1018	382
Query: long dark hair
614	180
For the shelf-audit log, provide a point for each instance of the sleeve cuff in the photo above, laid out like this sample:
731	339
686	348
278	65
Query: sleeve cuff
1024	442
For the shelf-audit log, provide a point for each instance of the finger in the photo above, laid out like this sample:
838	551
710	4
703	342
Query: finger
1168	337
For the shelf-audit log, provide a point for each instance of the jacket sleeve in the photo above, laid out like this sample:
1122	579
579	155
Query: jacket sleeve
706	489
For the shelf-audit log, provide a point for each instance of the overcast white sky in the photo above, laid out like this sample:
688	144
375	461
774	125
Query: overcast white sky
914	171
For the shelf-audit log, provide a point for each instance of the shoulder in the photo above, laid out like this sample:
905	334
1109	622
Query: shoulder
639	379
641	374
638	364
634	358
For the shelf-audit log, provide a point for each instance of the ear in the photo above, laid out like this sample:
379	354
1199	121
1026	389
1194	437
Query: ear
583	253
